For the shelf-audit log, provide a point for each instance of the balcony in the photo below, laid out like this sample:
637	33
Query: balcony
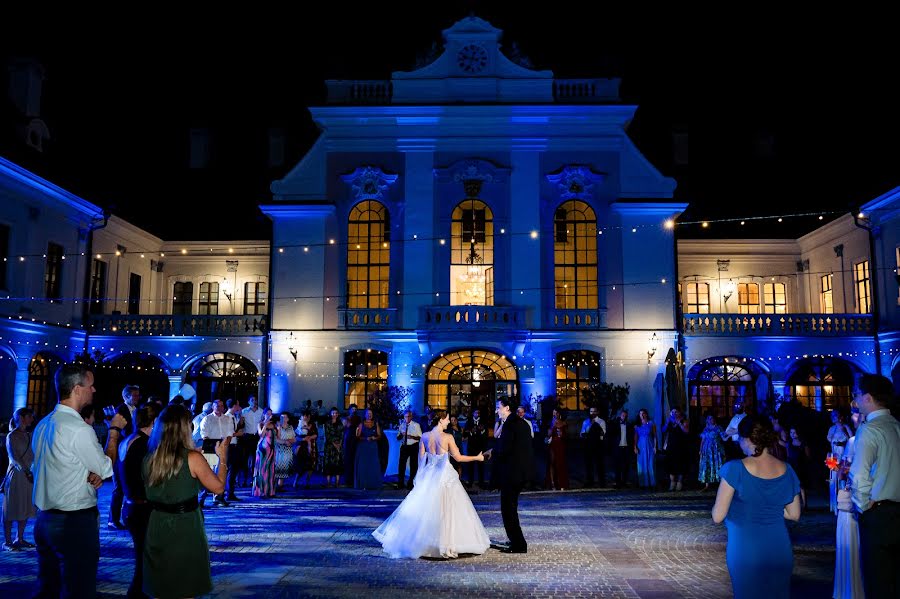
473	318
577	319
367	318
803	325
586	91
170	325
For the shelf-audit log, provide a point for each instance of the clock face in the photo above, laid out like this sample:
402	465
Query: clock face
472	58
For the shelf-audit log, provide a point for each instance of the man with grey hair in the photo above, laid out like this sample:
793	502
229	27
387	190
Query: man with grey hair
69	467
207	409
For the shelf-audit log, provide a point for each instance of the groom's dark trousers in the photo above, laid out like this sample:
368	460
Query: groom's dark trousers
515	458
509	508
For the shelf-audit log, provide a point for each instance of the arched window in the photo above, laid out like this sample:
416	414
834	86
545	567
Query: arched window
365	372
576	371
822	383
575	256
472	254
368	256
41	388
223	376
463	380
719	384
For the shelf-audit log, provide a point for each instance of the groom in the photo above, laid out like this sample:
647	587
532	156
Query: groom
514	465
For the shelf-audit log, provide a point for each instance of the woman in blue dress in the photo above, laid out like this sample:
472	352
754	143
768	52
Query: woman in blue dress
755	497
367	469
645	450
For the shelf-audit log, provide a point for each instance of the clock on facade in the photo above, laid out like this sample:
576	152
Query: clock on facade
472	58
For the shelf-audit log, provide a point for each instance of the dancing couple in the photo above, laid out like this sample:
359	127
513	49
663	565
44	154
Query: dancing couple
437	518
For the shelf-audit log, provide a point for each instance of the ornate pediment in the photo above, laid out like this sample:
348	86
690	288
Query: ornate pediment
473	173
576	182
368	182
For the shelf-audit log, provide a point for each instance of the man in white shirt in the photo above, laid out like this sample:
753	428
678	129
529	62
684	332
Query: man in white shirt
875	476
733	448
409	434
235	449
207	409
213	428
69	467
593	431
250	439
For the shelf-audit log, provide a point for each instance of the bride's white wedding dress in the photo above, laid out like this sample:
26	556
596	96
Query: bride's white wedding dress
437	518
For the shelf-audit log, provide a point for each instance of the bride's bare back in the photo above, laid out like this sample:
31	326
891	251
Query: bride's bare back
435	440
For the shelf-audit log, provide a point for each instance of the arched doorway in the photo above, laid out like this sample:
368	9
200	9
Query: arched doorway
716	384
822	384
223	376
459	381
145	370
41	387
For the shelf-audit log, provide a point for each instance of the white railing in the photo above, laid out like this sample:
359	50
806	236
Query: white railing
818	325
170	325
577	319
367	318
473	317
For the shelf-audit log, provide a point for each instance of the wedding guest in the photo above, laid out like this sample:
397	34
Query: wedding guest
333	464
367	469
18	485
779	448
476	436
69	466
848	583
176	553
557	476
213	428
712	452
264	466
284	450
131	399
351	423
755	497
645	450
838	435
621	439
677	448
732	446
135	508
252	415
409	433
306	452
235	449
875	475
593	431
798	458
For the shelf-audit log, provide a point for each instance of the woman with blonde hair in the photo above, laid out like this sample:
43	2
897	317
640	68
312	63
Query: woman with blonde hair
19	481
176	554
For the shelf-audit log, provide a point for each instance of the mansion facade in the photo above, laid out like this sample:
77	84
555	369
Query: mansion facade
468	230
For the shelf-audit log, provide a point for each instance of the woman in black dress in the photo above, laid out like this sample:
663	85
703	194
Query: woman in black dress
677	448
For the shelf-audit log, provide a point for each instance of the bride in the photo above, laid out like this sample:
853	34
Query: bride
437	518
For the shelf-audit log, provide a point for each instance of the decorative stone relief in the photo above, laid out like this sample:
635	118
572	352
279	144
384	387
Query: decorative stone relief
368	182
576	182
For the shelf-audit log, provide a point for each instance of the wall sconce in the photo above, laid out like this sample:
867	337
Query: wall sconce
226	288
651	347
291	348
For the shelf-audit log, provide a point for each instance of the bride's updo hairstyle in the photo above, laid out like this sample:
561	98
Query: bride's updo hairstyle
437	416
759	431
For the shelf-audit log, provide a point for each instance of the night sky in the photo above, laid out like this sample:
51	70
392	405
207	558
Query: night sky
784	113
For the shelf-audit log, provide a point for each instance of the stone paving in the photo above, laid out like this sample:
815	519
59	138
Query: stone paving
318	543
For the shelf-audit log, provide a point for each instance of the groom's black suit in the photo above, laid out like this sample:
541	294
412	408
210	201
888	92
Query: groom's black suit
514	455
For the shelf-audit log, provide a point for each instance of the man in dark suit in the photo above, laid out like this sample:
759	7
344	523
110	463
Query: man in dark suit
476	433
131	398
514	465
620	434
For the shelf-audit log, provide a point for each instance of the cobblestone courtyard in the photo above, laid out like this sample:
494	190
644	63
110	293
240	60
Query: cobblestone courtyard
317	543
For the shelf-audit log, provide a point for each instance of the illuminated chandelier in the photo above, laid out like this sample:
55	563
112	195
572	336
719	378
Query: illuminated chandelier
471	282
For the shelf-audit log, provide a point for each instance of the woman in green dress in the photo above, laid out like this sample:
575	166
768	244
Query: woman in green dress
176	554
334	455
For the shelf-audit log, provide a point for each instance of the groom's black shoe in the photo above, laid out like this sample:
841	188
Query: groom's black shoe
499	545
513	550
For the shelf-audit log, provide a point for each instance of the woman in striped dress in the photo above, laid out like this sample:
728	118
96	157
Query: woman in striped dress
284	450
